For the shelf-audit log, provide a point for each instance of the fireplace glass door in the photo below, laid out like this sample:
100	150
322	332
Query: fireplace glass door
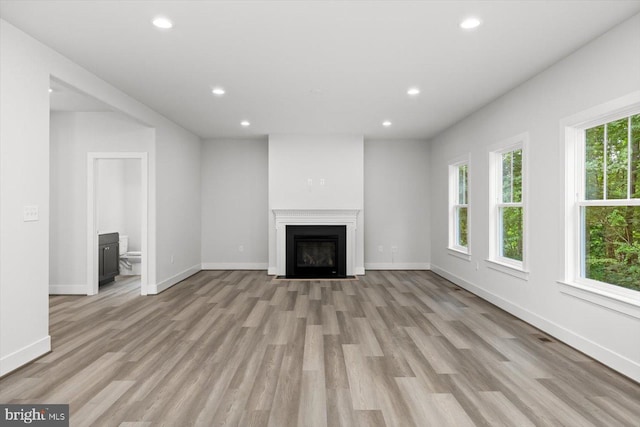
316	251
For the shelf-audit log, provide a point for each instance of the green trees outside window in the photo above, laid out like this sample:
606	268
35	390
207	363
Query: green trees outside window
511	231
459	206
610	209
510	210
462	207
462	227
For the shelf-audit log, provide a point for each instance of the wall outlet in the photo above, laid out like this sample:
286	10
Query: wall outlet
240	248
171	259
309	182
380	248
321	181
394	249
477	265
30	213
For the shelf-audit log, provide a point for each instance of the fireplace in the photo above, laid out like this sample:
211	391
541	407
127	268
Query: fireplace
285	218
316	251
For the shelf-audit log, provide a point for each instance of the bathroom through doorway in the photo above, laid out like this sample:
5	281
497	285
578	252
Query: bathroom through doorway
117	226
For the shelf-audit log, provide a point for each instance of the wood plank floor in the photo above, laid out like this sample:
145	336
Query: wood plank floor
239	348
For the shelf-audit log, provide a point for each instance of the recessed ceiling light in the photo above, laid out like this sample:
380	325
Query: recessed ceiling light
470	23
245	123
386	123
163	23
218	91
413	91
50	90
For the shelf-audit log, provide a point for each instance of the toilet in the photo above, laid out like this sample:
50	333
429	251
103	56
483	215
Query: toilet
130	261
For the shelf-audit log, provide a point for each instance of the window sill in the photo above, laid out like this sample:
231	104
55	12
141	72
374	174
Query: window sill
459	254
611	300
508	269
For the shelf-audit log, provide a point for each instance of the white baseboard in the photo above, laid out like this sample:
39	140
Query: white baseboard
604	355
234	265
14	360
67	289
154	289
397	266
359	271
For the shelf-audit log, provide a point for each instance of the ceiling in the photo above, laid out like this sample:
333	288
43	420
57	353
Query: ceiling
315	67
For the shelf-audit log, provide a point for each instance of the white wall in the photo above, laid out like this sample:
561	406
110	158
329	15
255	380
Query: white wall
605	69
132	213
178	210
24	174
296	159
174	183
234	201
235	195
118	199
72	136
396	199
109	194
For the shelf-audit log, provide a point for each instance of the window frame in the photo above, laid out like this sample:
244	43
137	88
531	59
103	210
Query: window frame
454	188
496	260
572	141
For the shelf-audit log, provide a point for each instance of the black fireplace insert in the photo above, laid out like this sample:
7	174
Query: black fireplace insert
316	251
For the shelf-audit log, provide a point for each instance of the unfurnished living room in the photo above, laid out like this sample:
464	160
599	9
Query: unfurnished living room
319	213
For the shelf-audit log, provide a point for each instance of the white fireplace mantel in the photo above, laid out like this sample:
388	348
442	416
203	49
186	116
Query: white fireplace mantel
284	217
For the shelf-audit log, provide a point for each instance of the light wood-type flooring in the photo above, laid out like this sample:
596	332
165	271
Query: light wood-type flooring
240	348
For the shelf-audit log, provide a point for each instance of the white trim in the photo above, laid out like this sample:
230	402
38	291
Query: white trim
603	298
397	266
272	271
609	202
92	230
173	280
505	268
234	265
346	217
26	354
67	289
466	256
618	362
571	156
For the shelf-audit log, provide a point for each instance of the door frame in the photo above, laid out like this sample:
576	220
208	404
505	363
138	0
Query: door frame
92	230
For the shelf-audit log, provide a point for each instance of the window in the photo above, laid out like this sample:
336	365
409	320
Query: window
608	203
508	207
459	207
600	152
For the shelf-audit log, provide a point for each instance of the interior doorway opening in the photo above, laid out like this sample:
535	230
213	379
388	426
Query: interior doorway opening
104	245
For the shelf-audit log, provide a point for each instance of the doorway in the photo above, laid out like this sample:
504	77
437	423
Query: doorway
93	230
